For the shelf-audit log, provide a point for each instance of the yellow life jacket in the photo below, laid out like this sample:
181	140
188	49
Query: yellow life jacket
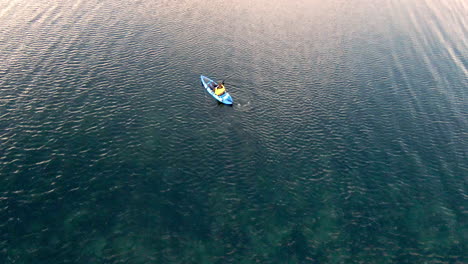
220	90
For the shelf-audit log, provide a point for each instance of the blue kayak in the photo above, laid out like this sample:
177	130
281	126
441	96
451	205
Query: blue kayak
219	94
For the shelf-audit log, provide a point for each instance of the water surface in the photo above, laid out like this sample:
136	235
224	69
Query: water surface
346	143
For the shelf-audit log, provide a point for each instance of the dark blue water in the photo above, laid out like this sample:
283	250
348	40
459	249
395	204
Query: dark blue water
346	143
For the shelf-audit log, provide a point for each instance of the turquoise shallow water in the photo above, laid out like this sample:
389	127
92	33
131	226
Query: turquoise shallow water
346	143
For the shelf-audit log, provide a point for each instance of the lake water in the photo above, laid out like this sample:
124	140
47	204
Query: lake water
346	143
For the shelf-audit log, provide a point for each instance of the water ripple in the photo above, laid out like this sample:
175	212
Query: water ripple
345	142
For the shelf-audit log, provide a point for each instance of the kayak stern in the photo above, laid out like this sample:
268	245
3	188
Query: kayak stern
227	99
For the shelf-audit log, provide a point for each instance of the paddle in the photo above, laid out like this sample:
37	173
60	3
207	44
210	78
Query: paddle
229	76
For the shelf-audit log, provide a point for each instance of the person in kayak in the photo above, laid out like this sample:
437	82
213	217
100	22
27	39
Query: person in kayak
213	86
219	89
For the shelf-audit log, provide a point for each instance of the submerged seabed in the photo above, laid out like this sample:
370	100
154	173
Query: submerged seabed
347	141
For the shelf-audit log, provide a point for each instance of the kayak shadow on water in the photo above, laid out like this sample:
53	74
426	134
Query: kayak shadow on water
224	105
